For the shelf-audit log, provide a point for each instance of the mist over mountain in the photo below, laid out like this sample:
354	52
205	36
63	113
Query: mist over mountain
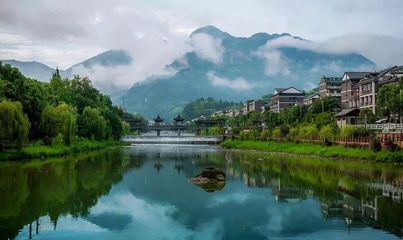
217	65
238	69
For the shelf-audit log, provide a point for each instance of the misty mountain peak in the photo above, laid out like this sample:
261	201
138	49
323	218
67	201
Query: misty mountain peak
111	58
212	31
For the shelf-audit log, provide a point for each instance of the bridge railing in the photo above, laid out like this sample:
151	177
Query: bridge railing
386	127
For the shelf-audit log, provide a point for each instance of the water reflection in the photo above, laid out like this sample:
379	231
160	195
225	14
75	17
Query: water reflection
143	192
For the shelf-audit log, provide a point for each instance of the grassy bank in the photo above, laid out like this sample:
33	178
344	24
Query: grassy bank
40	151
316	150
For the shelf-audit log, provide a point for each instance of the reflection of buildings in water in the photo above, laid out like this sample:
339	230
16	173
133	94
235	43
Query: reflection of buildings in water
178	166
287	193
394	190
362	210
158	165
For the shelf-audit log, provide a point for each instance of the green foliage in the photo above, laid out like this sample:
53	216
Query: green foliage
91	124
308	131
312	149
264	135
32	94
58	140
323	119
293	134
276	133
243	135
125	128
60	119
376	145
284	129
203	107
367	116
389	100
14	124
347	131
327	133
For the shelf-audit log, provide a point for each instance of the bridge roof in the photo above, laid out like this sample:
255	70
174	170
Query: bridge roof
179	118
158	119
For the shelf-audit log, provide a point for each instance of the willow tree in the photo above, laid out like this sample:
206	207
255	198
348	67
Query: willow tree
91	124
59	120
14	124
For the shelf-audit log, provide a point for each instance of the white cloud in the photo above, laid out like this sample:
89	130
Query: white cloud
63	33
384	51
276	63
208	48
238	84
110	79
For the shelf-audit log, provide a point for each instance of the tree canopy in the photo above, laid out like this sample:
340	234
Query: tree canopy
53	108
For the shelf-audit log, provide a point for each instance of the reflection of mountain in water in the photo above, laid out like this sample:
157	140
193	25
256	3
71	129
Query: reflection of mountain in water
353	196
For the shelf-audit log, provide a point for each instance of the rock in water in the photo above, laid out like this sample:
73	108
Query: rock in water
210	179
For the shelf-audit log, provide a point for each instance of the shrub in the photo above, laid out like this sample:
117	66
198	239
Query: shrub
293	134
375	145
58	140
276	133
264	135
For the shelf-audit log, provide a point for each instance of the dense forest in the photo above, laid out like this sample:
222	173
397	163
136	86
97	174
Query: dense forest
206	107
61	110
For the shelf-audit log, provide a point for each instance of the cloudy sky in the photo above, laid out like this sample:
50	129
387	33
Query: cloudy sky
63	33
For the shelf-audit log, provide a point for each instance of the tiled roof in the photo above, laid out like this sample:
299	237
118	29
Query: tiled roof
356	75
345	112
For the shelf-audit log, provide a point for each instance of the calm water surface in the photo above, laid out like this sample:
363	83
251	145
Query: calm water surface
143	192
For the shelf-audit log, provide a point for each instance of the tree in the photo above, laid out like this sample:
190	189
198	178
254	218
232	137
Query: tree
91	124
389	100
367	116
114	123
323	119
61	88
327	133
347	131
14	124
61	119
33	95
83	94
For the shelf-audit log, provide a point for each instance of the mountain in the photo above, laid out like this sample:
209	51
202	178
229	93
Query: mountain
111	58
220	66
41	72
238	69
34	70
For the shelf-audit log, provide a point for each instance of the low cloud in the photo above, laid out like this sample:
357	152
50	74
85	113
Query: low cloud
276	63
384	51
238	84
111	79
208	48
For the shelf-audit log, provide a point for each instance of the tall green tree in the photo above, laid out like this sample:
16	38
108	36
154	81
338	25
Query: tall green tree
60	88
61	119
389	100
91	124
83	94
14	124
114	122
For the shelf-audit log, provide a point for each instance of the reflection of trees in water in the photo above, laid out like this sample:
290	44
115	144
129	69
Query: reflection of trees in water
57	188
360	194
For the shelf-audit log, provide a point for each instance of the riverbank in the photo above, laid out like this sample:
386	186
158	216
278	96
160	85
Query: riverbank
40	151
312	149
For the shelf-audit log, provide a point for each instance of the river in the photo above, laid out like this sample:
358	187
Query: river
143	192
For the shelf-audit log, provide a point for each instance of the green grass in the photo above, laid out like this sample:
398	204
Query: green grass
39	151
316	150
